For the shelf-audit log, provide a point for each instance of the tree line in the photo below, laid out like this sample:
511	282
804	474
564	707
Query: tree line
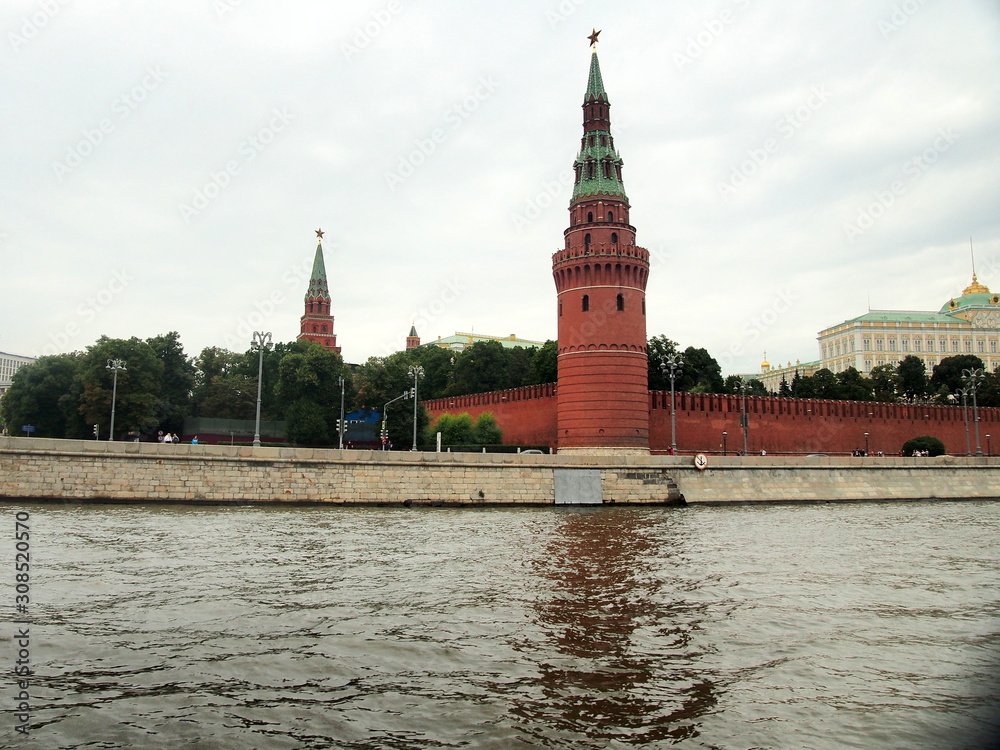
66	395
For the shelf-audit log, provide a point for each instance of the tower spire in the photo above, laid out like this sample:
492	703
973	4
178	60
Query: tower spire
316	324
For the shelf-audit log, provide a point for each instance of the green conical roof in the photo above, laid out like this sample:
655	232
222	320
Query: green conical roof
595	85
318	288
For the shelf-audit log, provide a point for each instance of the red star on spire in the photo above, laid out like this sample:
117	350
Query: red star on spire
320	233
593	37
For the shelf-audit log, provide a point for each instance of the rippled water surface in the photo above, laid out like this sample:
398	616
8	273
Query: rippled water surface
819	626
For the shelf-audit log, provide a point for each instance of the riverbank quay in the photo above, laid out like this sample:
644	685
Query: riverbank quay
96	471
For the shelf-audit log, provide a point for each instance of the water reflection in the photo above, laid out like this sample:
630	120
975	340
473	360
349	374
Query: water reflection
621	638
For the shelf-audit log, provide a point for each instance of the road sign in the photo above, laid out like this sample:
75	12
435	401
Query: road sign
27	428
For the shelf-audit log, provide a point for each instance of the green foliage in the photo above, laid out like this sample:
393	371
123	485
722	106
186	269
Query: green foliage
43	394
455	429
177	382
382	379
137	404
924	443
853	386
947	374
487	431
912	378
884	380
544	364
480	368
658	348
307	423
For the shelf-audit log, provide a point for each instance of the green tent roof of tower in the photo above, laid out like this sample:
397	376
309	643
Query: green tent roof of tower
595	85
318	288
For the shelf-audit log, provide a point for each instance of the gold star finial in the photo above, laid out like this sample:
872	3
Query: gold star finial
593	38
320	233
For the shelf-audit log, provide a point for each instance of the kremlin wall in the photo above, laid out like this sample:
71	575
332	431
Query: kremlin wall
527	416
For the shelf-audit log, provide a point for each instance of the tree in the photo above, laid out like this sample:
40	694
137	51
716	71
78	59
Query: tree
308	393
544	364
437	364
382	379
784	390
912	378
176	383
701	374
658	348
455	429
138	391
884	379
479	368
519	366
947	374
825	385
487	430
932	445
43	394
853	386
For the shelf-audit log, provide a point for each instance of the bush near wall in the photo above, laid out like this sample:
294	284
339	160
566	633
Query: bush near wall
932	445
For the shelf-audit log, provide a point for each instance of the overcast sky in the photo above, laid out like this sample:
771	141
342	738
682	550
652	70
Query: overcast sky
166	163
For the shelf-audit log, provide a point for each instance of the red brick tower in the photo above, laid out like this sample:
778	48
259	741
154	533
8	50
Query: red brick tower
600	276
413	340
317	322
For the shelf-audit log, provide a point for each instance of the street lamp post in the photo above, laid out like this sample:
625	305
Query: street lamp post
340	422
724	434
743	416
866	443
385	417
116	366
670	368
416	372
973	378
963	394
262	340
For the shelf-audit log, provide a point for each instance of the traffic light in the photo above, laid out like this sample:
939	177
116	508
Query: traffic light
97	431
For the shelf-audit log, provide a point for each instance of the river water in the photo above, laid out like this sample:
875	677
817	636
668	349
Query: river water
781	626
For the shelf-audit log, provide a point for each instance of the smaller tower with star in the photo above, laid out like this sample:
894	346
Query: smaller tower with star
316	323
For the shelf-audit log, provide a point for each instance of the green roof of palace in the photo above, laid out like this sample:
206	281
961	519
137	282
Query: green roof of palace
468	339
318	288
903	316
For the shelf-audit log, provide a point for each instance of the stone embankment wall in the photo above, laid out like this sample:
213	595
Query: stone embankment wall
92	470
150	472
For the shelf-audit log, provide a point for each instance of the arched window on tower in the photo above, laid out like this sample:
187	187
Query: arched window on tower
590	217
606	165
620	301
560	309
590	170
586	242
586	302
614	238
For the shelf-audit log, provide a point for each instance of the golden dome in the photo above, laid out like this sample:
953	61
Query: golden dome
765	365
975	287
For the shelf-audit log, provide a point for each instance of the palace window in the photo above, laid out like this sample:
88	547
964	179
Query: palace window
968	346
868	365
892	345
878	345
916	345
981	346
906	345
954	346
993	347
868	345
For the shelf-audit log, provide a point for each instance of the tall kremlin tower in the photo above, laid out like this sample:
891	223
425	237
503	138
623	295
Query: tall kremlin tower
316	324
600	276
